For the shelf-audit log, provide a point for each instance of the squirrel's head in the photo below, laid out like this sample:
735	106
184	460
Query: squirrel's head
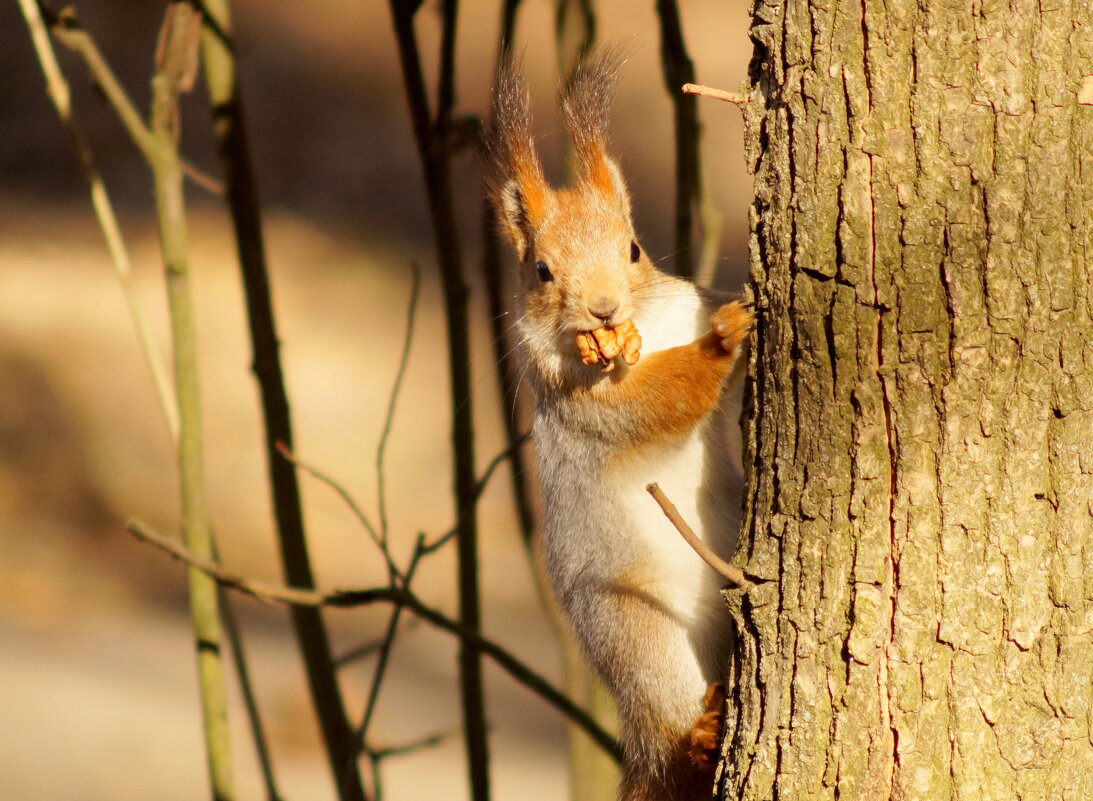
580	259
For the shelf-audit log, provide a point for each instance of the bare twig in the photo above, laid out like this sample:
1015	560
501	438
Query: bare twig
202	178
351	598
392	403
230	130
254	718
263	591
59	91
350	501
678	69
409	748
380	672
67	29
717	94
733	574
358	652
378	755
509	453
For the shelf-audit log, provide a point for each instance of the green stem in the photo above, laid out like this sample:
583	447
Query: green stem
170	208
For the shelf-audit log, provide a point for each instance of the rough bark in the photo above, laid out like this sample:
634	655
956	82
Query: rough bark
920	422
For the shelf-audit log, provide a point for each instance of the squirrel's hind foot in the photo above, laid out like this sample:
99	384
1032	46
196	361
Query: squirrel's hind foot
702	744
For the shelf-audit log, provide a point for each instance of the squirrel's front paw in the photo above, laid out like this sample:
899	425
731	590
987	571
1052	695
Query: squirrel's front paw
731	323
602	345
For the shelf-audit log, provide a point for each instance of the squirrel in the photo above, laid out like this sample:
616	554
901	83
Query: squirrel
645	608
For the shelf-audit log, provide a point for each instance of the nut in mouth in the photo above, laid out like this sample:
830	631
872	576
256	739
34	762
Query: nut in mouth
602	345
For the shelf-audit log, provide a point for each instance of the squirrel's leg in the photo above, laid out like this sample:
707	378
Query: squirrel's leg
646	658
670	390
688	774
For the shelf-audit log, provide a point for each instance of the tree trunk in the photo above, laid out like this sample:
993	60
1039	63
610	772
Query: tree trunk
920	415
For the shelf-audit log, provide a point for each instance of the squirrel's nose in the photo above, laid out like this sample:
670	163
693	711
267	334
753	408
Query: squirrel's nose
603	308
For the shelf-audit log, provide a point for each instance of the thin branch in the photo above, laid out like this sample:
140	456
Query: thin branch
385	649
350	501
266	592
509	453
678	68
517	443
67	29
362	651
351	598
418	745
392	403
250	702
732	573
378	755
202	178
70	32
61	96
717	94
59	92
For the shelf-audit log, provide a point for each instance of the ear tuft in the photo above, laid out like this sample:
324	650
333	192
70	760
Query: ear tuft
586	106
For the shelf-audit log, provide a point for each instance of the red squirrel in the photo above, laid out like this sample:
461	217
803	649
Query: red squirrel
636	378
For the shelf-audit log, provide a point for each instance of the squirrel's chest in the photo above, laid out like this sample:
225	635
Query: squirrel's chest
681	471
601	523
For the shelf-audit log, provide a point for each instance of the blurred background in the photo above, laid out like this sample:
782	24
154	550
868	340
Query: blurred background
97	682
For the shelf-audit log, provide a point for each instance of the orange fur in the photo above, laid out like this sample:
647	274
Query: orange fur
652	390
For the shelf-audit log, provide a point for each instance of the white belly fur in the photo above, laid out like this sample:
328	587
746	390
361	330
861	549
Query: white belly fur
602	525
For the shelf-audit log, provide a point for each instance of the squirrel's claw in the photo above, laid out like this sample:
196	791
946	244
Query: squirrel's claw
731	323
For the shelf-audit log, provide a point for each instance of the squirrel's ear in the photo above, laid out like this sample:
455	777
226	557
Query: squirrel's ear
521	207
514	176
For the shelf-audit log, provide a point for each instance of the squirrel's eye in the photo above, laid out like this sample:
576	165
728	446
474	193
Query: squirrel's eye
544	272
635	252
